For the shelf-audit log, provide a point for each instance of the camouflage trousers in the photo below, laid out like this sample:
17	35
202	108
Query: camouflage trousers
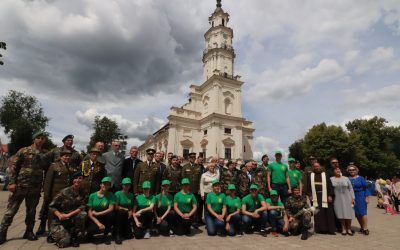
303	221
63	231
31	197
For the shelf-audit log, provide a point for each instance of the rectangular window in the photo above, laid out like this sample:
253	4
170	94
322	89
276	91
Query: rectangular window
205	132
227	130
228	153
185	154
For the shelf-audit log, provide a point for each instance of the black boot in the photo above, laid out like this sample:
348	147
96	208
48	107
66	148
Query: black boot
3	236
75	242
50	239
118	240
304	234
42	228
29	235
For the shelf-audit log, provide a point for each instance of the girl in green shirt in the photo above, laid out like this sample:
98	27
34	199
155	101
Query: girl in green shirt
185	206
233	219
123	212
163	213
143	212
215	218
101	207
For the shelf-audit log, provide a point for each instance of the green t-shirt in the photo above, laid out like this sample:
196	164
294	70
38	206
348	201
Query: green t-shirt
278	172
295	176
232	204
163	203
124	200
216	201
185	201
99	204
277	203
142	201
252	203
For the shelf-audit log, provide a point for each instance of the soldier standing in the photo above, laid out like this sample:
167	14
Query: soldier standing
145	171
193	172
69	216
93	172
229	176
260	178
244	179
58	177
25	184
173	173
298	213
75	159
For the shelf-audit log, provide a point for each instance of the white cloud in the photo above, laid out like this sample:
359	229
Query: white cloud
387	96
379	57
266	145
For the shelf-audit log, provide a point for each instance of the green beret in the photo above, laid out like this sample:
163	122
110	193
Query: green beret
38	133
106	179
185	181
231	187
146	185
273	192
165	182
253	186
126	181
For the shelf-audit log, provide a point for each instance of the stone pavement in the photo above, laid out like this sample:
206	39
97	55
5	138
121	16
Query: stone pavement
385	234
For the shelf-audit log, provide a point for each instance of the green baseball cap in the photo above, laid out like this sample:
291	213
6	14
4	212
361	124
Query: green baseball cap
126	181
273	192
106	179
146	185
38	133
215	182
291	159
185	181
253	186
231	187
165	182
278	152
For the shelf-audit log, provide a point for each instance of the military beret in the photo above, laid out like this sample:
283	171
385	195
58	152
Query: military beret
39	133
192	154
67	137
65	152
150	151
77	174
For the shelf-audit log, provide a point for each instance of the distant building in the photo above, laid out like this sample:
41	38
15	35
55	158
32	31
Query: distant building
211	122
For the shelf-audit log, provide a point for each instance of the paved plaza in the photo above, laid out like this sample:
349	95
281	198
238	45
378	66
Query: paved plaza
385	234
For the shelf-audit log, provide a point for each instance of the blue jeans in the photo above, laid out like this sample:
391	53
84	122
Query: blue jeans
214	225
282	190
257	223
235	225
275	220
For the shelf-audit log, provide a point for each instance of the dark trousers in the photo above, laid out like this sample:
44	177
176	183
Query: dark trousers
107	220
147	222
123	225
250	223
396	203
275	219
169	223
183	226
282	190
235	225
198	217
214	225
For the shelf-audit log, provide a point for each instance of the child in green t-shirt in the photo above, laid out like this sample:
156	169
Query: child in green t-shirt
123	207
143	212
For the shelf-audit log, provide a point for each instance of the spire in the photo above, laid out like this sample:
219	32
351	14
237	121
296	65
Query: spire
219	5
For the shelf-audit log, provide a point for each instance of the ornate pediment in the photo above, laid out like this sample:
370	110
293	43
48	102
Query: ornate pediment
228	142
187	143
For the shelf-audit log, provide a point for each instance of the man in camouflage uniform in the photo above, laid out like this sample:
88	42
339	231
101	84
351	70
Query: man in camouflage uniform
173	173
244	179
25	184
93	172
229	176
193	172
260	178
146	171
299	214
69	216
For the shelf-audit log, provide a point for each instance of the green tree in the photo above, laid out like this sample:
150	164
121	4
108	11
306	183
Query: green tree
297	151
20	116
105	130
3	45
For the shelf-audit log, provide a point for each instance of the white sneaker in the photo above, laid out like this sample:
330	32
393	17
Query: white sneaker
171	233
147	235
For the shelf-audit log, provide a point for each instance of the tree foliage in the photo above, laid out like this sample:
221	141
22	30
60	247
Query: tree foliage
372	145
105	130
20	116
3	45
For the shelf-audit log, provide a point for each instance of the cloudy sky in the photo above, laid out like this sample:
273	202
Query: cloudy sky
303	62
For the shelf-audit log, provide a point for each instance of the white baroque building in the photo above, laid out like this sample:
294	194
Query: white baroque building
211	122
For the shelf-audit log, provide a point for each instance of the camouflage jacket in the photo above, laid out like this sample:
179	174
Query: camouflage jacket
243	184
295	204
260	178
67	201
193	173
28	166
174	176
228	177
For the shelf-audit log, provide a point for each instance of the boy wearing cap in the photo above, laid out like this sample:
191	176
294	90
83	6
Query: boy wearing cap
278	177
143	212
233	218
123	211
101	205
68	210
25	184
275	210
165	215
215	218
254	211
295	175
185	206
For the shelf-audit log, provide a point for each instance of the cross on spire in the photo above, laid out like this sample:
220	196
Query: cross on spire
219	5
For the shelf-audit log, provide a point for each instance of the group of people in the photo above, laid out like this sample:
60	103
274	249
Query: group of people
388	194
122	198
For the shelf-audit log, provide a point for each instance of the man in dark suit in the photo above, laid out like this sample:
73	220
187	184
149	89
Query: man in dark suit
161	168
128	168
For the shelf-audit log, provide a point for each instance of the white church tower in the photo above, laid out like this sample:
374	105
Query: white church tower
211	123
